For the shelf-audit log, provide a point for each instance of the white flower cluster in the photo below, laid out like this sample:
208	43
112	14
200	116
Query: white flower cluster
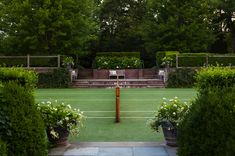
171	111
57	114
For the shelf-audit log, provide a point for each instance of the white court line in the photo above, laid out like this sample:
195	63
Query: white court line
80	100
115	111
96	117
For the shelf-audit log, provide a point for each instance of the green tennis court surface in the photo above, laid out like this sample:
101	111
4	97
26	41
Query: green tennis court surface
98	105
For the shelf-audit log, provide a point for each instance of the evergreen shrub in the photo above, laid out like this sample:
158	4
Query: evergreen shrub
215	77
181	77
26	131
3	148
159	56
208	129
26	78
58	78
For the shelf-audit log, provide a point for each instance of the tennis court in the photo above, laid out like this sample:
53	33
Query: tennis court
98	105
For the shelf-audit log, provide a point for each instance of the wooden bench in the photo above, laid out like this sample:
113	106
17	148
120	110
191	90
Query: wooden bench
116	74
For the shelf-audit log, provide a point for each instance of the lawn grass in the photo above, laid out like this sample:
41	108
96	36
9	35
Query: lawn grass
137	106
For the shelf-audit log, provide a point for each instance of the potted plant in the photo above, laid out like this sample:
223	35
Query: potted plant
68	62
168	116
60	121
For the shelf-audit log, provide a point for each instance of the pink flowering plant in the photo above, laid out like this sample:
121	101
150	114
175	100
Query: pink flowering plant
171	112
58	114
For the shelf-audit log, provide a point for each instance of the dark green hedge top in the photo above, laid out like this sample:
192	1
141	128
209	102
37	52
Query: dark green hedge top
119	54
219	77
195	54
166	53
26	78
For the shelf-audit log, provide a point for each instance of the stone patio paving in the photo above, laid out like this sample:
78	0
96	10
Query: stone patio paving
114	149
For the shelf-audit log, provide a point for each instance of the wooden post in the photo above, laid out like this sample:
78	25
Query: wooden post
117	102
177	61
28	61
58	61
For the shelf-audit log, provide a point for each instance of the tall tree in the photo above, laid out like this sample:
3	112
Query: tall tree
46	26
120	22
225	19
182	25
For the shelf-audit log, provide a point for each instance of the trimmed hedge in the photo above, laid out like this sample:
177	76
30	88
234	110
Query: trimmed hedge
161	54
43	62
102	62
10	62
34	62
209	127
215	77
181	77
119	54
26	78
200	59
26	127
223	61
192	59
59	78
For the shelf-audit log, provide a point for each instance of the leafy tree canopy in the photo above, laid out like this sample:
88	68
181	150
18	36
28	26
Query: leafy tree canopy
46	26
120	22
182	25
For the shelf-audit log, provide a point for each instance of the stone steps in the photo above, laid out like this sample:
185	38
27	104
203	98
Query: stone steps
125	83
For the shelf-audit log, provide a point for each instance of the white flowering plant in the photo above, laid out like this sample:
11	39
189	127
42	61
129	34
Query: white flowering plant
67	61
167	61
57	114
171	112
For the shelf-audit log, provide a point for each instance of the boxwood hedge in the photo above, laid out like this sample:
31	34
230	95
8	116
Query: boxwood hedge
119	54
208	129
21	125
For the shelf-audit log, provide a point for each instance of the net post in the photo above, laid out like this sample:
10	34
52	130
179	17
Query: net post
117	102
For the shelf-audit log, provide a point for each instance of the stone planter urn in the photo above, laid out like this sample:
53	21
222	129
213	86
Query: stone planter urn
61	139
170	134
